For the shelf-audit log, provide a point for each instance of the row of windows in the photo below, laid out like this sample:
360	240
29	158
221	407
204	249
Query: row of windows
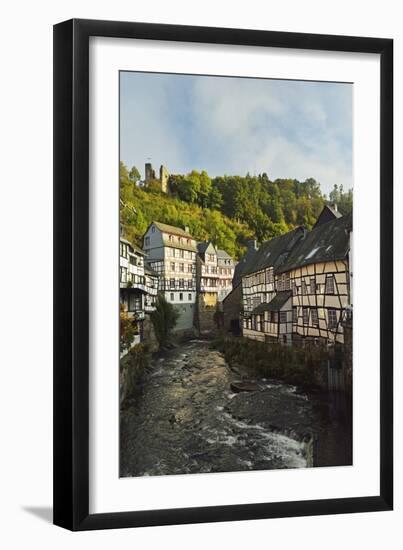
180	240
260	278
209	282
174	238
309	317
284	283
213	270
182	268
181	295
305	288
124	250
225	282
179	253
126	277
179	283
314	288
209	269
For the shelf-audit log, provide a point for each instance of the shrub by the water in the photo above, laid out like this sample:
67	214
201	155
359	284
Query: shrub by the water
304	366
164	319
132	368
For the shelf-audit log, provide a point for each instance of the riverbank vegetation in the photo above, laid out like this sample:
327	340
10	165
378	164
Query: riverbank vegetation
132	367
164	319
305	367
128	330
229	210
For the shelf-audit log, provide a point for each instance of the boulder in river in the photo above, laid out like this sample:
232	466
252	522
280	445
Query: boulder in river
237	387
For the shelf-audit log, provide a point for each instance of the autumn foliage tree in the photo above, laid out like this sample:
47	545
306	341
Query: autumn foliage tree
228	210
128	330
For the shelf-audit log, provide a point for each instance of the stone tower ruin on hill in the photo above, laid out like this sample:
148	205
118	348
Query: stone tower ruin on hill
163	179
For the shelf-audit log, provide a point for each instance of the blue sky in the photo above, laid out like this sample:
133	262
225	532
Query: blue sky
230	125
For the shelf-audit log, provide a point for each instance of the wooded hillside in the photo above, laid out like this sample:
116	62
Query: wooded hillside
228	210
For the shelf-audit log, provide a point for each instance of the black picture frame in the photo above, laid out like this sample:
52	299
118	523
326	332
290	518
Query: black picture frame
71	274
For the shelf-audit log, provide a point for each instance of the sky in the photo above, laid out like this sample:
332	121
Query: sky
232	125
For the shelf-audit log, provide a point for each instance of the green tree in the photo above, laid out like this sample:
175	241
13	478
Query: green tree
164	319
215	199
344	200
125	185
134	174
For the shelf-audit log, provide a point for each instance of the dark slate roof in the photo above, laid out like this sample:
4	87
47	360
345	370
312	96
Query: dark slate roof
223	254
243	265
133	246
274	252
328	214
334	211
203	246
275	304
172	230
328	241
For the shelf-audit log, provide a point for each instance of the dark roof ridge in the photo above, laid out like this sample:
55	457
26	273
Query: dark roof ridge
326	242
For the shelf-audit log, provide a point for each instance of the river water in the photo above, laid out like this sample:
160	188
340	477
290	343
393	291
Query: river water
188	420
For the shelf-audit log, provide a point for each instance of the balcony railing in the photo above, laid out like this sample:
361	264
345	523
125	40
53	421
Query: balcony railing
133	285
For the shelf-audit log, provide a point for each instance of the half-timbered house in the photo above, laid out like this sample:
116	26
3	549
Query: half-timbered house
171	252
207	274
151	280
132	284
225	270
232	304
267	309
318	274
214	273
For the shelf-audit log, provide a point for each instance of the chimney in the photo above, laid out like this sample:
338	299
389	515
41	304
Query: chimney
334	206
187	229
251	244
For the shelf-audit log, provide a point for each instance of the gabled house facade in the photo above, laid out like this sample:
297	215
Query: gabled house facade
329	212
225	269
266	315
298	288
207	274
171	253
214	273
318	271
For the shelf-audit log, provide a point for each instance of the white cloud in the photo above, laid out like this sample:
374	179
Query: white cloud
230	125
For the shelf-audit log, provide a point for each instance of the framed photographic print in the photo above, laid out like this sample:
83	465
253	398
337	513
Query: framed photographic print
207	362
